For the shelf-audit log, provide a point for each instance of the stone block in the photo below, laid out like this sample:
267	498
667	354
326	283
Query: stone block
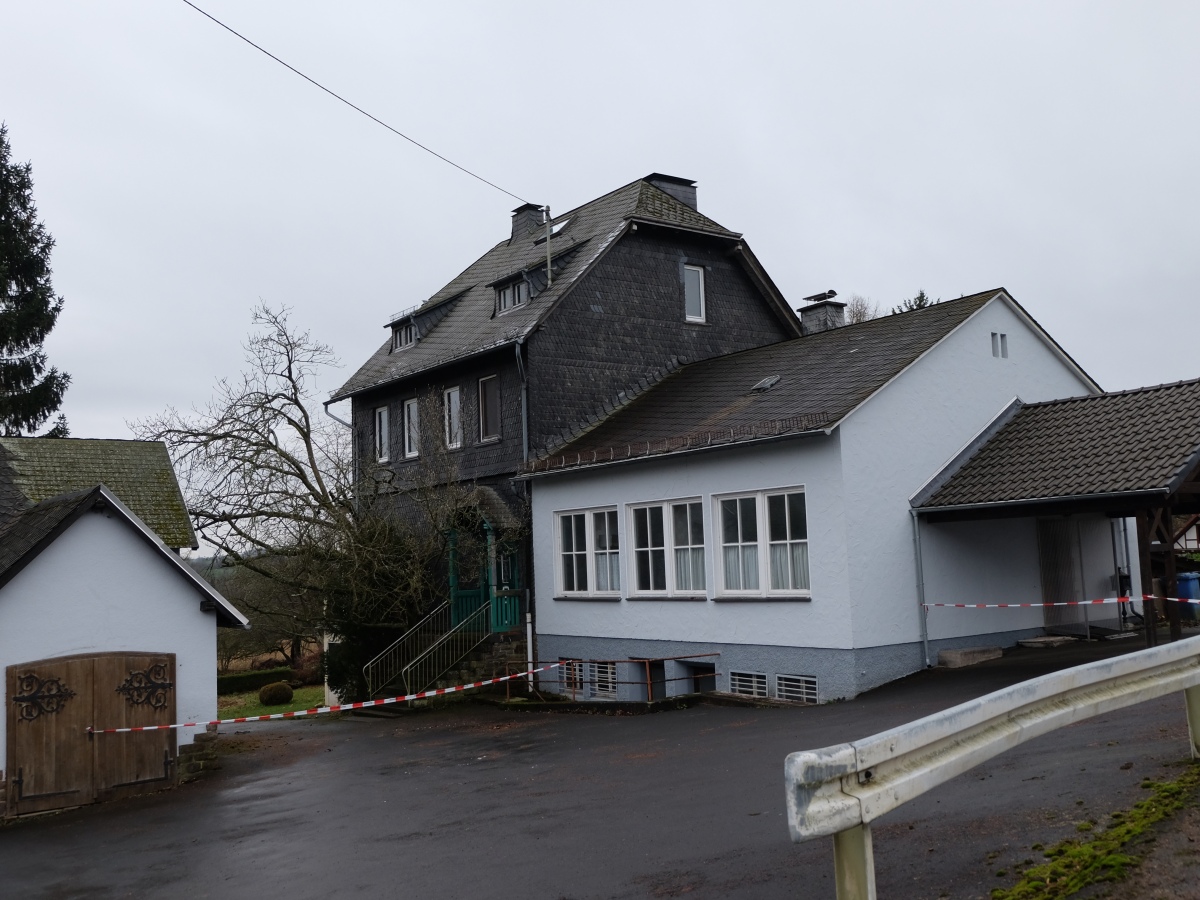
967	656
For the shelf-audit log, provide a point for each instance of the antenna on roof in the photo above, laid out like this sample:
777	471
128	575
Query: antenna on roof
549	274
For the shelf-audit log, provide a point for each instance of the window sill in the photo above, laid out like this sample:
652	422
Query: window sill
784	598
590	598
489	440
678	599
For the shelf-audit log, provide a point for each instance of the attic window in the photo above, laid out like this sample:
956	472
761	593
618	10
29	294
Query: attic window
766	384
512	295
404	335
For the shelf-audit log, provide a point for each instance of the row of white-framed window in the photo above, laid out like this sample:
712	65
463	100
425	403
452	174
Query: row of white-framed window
489	420
760	539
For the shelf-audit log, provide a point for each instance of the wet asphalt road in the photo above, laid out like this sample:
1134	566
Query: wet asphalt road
480	802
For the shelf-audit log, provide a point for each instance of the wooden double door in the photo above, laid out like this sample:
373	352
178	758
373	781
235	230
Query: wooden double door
53	762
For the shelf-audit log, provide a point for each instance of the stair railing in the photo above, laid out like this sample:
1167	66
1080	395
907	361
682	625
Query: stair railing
447	651
388	665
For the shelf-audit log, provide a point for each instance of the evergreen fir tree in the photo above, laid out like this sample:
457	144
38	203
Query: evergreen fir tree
918	302
29	391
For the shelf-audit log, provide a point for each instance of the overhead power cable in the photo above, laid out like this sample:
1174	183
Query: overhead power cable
353	106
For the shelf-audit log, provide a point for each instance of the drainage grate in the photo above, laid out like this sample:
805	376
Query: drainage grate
800	688
753	684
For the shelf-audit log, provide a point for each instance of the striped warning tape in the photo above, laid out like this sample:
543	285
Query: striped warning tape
321	710
1063	603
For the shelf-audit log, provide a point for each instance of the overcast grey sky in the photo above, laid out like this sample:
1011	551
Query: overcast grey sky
874	148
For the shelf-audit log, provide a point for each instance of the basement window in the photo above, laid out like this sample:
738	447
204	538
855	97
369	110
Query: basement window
604	680
751	684
797	688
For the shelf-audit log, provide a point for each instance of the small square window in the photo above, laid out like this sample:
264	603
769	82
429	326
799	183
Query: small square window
511	296
411	427
381	434
404	335
693	294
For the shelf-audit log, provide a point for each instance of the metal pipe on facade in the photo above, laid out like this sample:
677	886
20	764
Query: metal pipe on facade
549	273
528	645
916	523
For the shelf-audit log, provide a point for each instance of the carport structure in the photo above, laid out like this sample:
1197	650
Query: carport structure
1129	455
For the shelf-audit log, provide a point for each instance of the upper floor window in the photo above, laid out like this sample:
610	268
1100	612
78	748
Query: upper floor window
411	427
512	295
693	294
489	408
404	335
764	543
453	404
381	434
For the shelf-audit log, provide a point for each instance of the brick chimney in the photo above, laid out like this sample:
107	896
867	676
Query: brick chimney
682	189
525	218
822	314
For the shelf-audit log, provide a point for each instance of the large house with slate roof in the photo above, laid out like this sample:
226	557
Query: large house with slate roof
510	359
769	520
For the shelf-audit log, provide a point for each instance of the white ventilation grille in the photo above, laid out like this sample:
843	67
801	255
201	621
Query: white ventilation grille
752	684
570	675
604	680
798	688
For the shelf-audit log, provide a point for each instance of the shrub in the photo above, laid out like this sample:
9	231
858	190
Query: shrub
275	694
239	682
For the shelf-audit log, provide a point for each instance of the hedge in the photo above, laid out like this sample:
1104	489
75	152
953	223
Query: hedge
240	682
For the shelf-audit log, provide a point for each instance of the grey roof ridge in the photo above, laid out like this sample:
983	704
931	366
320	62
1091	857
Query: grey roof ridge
1145	389
83	500
758	274
951	468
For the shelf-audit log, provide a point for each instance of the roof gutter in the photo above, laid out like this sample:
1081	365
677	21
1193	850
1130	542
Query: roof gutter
588	467
1151	493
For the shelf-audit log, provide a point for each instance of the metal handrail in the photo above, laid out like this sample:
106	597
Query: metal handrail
448	650
381	671
840	790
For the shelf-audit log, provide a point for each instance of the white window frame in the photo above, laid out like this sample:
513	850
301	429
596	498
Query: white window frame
669	549
412	428
483	436
452	405
381	434
511	296
762	544
594	555
404	335
687	317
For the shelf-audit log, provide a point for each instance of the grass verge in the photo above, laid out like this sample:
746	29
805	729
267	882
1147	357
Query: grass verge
1074	864
236	706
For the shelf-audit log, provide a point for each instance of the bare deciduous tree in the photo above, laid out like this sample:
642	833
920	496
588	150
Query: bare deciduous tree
860	309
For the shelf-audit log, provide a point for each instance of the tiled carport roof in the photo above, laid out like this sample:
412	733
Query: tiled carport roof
460	320
818	380
1138	443
139	472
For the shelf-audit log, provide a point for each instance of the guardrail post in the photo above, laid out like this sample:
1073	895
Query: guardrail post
854	863
1191	698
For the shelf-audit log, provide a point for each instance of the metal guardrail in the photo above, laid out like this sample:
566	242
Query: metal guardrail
388	665
448	650
840	790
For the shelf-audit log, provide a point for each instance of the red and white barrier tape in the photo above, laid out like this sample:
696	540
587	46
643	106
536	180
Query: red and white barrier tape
320	710
1063	603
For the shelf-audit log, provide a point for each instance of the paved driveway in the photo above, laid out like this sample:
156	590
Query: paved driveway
478	802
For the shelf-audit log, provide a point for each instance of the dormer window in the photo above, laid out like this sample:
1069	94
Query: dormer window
512	295
403	335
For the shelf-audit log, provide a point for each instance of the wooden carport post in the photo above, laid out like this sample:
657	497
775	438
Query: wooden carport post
1173	611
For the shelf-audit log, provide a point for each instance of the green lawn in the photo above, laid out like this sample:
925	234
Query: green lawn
236	706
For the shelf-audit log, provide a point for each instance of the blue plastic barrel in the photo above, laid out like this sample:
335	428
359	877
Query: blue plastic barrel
1189	585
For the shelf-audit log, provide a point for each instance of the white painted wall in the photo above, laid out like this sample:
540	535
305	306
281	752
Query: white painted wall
811	462
905	434
99	588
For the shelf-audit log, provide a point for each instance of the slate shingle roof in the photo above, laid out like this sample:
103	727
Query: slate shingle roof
1143	440
822	377
29	527
459	321
138	472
